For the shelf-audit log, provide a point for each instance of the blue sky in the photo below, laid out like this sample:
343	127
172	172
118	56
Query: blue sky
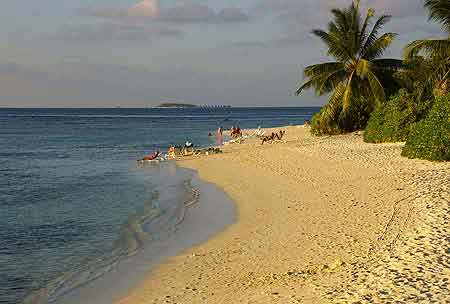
138	53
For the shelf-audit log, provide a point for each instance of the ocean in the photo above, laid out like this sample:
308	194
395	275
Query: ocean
75	206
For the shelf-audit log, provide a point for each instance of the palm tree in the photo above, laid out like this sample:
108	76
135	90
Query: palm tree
358	72
436	52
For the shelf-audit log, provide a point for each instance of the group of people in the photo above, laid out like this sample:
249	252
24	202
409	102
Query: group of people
188	148
235	132
172	152
273	136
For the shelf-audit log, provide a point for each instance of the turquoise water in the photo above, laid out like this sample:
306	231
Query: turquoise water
72	196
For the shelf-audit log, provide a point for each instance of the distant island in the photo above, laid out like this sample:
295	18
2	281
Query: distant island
175	105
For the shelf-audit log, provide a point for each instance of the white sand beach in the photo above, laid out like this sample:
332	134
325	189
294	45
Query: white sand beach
321	220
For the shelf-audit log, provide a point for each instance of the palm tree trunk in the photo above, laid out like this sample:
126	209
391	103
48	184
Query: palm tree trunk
442	88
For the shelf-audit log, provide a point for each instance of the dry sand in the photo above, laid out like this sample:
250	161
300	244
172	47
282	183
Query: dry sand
321	220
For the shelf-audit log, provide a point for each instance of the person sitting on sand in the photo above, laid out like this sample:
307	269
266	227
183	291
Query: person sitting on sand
171	152
273	137
238	132
268	138
188	148
232	132
150	157
280	135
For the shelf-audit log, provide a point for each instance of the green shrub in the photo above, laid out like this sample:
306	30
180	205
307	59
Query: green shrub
355	118
430	138
321	126
393	121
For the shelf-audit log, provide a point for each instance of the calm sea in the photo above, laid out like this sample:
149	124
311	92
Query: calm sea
71	192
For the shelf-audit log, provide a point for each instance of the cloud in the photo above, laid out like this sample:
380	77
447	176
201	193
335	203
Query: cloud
9	68
397	7
317	12
248	45
19	83
298	18
183	13
144	9
14	69
232	15
422	28
81	84
189	14
116	32
197	13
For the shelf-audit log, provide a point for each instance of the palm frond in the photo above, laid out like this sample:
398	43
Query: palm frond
439	10
310	83
347	93
341	19
334	105
381	21
322	68
358	75
379	46
430	47
336	47
364	34
363	68
323	77
331	81
420	74
377	88
388	64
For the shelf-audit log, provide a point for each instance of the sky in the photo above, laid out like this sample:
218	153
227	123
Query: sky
131	53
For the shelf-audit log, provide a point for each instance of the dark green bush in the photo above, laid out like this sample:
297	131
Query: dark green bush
393	121
355	118
321	126
430	138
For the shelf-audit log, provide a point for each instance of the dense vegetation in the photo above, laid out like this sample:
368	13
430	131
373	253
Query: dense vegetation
394	100
430	138
391	122
356	81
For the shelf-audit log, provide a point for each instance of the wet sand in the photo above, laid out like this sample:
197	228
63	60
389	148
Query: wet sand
321	220
204	210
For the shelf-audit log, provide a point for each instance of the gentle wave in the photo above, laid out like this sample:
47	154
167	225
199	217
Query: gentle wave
149	224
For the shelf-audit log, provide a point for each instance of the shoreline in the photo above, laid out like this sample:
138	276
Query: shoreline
320	220
184	227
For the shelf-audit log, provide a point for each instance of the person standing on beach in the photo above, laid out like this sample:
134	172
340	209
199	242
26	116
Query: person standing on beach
220	136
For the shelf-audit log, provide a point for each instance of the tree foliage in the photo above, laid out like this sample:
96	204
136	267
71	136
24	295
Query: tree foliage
430	138
394	121
358	74
434	54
